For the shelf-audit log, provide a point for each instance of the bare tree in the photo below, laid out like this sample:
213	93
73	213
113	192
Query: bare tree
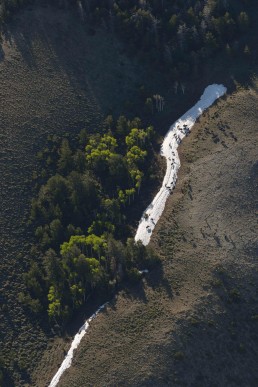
159	102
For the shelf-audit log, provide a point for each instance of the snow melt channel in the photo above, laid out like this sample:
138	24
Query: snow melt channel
76	341
151	215
176	133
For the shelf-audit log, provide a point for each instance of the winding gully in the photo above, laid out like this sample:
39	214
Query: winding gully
153	212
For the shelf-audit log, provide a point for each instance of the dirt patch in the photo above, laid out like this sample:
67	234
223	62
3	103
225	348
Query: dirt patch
193	321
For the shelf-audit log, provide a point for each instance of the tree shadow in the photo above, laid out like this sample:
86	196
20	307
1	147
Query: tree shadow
64	50
2	54
157	279
23	43
154	279
86	60
135	292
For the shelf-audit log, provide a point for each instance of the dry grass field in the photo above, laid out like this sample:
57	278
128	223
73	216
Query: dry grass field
193	321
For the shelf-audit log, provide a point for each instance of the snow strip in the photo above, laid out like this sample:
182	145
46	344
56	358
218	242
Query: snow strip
151	215
76	341
144	271
173	138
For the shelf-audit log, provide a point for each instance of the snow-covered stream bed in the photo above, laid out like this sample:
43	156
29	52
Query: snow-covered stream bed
76	341
151	215
176	133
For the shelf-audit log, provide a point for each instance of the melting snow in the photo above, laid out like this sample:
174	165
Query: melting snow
176	133
76	341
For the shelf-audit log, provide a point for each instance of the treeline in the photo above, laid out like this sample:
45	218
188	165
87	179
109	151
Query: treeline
80	215
178	34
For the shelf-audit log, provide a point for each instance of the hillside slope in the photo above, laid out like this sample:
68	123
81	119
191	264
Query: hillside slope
56	78
193	322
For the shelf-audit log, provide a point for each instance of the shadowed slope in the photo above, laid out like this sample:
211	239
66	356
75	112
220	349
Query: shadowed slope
55	78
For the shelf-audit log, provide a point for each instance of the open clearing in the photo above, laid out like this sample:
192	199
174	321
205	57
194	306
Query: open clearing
195	321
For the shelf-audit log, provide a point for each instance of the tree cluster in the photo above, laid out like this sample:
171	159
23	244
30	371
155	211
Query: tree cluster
80	218
178	34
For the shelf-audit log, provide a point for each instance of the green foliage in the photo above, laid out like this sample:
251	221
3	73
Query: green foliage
33	304
65	162
80	211
54	306
33	280
168	31
99	151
